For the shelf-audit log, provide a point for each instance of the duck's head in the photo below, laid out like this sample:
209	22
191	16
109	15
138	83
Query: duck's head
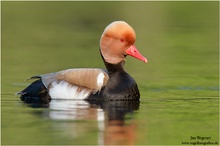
117	41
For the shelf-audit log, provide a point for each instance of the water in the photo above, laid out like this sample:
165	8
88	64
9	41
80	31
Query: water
179	85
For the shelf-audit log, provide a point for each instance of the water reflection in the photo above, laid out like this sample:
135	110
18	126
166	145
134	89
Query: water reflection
115	123
71	110
118	130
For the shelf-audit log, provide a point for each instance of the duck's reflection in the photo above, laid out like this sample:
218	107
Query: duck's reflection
71	110
115	122
119	130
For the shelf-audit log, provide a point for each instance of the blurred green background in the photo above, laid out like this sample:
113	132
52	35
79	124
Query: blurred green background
179	83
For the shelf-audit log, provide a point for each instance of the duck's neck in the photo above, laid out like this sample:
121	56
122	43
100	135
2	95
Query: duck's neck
114	68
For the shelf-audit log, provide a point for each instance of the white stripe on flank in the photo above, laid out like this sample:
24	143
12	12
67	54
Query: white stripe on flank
100	79
63	90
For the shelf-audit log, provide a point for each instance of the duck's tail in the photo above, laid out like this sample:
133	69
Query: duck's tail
36	91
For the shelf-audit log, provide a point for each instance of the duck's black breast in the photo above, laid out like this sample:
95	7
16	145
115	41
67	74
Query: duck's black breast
120	86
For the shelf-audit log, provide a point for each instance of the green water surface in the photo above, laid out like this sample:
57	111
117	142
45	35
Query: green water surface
179	85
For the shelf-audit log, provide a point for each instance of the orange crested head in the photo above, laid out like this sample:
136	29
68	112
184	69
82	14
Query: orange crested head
117	41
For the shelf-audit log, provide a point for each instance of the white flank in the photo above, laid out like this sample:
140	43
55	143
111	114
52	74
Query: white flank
100	79
63	90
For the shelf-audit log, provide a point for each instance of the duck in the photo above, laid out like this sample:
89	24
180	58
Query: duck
93	84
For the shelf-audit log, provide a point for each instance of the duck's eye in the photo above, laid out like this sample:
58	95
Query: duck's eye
122	40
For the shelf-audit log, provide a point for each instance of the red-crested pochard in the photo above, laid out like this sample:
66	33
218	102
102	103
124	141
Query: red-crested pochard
117	41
